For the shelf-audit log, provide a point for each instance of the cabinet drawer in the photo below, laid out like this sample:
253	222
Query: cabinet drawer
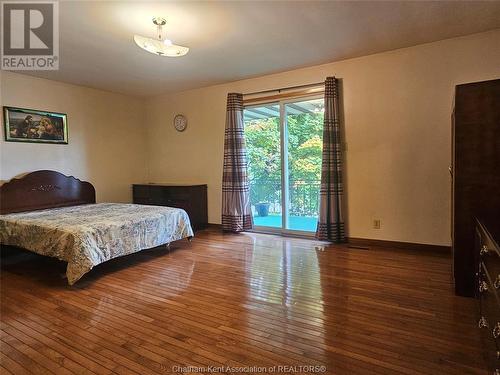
489	287
488	249
492	270
491	352
191	198
178	193
140	191
142	200
490	319
177	203
156	193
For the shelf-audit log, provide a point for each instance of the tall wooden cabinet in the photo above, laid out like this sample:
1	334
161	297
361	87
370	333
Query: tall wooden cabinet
475	174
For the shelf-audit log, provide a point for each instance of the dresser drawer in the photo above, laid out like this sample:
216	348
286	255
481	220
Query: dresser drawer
156	193
191	198
491	356
142	200
488	292
489	306
178	193
488	249
492	271
490	331
178	203
489	285
140	191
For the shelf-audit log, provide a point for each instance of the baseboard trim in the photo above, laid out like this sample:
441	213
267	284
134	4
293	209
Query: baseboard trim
214	226
398	245
368	242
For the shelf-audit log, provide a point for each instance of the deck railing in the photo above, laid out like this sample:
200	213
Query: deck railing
303	196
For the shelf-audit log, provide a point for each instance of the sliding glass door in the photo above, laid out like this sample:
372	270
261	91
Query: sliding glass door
263	143
284	143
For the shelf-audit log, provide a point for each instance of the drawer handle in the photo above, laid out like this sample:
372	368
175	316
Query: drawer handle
496	330
483	286
483	323
484	250
496	283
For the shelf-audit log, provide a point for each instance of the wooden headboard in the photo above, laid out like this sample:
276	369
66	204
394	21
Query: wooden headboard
44	189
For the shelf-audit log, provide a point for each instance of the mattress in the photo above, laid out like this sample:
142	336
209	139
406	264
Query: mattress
87	235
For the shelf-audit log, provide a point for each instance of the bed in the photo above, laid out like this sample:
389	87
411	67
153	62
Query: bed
55	215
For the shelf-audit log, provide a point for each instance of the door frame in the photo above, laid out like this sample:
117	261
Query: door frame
285	202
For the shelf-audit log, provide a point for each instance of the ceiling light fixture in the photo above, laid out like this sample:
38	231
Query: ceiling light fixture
161	46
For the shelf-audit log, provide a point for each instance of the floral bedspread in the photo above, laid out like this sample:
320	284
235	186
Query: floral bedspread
87	235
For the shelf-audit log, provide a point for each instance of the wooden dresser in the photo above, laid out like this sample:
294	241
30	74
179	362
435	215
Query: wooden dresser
475	172
191	198
488	290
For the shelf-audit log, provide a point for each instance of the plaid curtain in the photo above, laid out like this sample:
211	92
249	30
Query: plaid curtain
236	211
331	222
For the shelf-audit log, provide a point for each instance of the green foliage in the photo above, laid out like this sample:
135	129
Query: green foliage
263	149
304	157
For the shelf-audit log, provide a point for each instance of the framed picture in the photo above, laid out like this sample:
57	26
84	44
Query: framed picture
28	125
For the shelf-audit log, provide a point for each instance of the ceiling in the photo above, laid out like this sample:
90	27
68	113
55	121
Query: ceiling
236	40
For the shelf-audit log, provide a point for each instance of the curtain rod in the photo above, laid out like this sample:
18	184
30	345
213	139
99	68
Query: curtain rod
285	88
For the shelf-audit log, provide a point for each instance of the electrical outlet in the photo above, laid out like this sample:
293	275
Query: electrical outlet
376	224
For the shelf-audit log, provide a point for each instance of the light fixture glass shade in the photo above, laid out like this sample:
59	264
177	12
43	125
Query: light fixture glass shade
160	48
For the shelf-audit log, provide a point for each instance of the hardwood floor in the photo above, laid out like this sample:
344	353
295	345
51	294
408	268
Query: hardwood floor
240	300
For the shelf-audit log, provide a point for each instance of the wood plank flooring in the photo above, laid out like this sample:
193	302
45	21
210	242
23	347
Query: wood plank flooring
239	301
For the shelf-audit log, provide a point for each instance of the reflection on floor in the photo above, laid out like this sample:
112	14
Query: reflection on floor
240	300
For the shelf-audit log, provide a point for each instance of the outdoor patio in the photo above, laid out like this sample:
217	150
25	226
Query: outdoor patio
303	223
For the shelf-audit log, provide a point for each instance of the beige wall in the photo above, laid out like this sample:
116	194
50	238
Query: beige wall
397	120
106	135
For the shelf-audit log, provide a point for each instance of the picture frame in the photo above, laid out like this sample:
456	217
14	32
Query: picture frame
34	126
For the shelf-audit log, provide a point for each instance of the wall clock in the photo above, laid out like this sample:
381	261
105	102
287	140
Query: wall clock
180	123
